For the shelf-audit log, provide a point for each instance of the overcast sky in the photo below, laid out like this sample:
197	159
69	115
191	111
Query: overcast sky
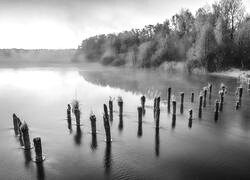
52	24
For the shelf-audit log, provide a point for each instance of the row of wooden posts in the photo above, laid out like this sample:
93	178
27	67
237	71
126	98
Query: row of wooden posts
22	130
207	91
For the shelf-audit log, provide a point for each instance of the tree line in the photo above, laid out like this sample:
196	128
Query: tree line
217	37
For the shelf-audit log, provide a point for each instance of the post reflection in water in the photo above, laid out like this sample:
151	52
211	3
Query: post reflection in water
190	123
40	171
139	132
173	121
93	144
108	159
27	157
69	124
78	135
120	126
157	142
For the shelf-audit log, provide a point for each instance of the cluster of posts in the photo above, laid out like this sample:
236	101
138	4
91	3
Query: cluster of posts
205	94
22	131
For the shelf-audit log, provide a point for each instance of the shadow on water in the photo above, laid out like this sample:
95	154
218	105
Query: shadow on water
108	159
157	142
78	135
93	144
40	171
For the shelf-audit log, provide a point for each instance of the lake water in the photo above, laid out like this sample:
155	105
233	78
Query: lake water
39	96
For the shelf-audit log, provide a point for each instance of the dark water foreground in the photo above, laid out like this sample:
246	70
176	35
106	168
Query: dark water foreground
205	150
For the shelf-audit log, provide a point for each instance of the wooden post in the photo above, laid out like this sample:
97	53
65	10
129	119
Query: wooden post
190	119
192	97
77	115
120	104
15	124
143	100
110	110
200	106
69	112
157	117
139	132
139	109
221	99
25	135
107	129
105	108
169	99
210	86
38	150
93	124
205	97
216	113
182	103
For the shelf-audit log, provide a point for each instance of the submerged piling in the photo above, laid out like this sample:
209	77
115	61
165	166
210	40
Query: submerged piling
93	124
190	119
173	113
107	128
210	87
38	150
120	104
221	92
169	99
205	97
15	124
192	97
139	132
143	100
69	112
110	110
182	103
200	106
25	136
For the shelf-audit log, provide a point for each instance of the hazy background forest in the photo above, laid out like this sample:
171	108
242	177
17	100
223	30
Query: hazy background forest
216	37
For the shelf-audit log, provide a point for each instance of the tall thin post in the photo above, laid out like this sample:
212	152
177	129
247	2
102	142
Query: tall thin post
200	106
25	135
182	103
143	100
169	99
216	113
93	124
107	129
110	110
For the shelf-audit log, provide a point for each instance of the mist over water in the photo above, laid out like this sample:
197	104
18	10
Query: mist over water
203	150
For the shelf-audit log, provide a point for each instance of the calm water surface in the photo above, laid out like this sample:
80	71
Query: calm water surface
39	96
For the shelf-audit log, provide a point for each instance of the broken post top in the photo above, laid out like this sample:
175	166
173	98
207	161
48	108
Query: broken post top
24	127
37	140
143	98
92	117
119	100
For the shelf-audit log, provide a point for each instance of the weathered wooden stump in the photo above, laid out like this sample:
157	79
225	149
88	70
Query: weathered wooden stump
210	87
143	100
93	124
205	97
38	150
169	99
192	97
221	92
25	134
140	112
107	128
110	110
15	124
182	103
120	104
69	112
200	105
77	116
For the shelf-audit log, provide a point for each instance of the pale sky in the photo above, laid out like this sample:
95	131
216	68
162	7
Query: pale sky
60	24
